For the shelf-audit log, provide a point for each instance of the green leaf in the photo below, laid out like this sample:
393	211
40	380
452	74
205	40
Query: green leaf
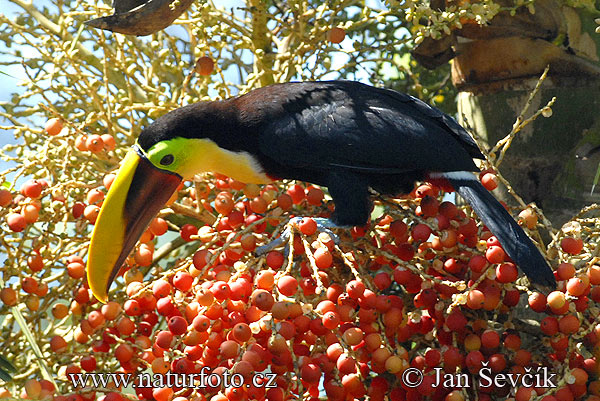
33	344
6	365
4	376
596	178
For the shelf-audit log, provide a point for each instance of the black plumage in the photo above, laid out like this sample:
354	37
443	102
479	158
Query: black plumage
349	137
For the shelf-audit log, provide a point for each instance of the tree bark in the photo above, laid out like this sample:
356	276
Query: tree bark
553	160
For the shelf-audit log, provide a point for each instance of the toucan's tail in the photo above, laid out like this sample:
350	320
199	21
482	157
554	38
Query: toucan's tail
512	237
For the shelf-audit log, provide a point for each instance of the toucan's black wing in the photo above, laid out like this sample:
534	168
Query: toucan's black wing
347	125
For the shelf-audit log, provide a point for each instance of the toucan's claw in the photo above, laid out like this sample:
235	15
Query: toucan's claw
323	225
283	238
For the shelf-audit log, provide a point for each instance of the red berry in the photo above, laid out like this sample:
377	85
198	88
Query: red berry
285	201
456	321
164	339
307	226
495	254
187	231
577	286
183	281
315	196
489	181
506	273
161	288
241	332
296	192
177	325
568	324
323	258
108	141
474	361
556	299
275	259
94	143
35	262
421	232
398	229
336	35
201	323
88	363
572	246
310	373
78	209
262	299
132	307
549	325
382	281
32	189
220	290
123	352
287	285
331	320
490	339
429	206
5	197
204	65
16	222
58	344
537	302
475	299
355	289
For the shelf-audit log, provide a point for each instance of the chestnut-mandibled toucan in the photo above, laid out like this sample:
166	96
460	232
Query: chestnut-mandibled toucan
343	135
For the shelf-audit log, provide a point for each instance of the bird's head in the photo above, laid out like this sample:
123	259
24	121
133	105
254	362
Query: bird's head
178	141
149	175
187	141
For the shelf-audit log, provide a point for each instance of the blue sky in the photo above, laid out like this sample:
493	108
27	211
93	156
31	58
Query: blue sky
9	83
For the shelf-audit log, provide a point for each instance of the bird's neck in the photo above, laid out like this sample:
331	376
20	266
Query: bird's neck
204	155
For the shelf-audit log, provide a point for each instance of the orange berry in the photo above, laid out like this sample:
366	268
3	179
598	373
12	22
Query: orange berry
8	296
489	181
572	246
109	141
33	388
528	218
576	286
336	35
94	143
60	311
556	299
91	213
205	66
5	197
53	126
81	143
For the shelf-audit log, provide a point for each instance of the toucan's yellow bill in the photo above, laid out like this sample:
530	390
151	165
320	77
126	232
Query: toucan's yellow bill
137	194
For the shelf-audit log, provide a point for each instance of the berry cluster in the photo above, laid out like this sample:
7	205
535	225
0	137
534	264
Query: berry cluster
424	286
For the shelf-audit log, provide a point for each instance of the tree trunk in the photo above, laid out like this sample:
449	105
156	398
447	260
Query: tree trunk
552	161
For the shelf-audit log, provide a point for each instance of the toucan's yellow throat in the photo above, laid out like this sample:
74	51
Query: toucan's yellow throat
137	194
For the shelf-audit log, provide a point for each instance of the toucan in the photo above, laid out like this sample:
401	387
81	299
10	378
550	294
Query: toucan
347	136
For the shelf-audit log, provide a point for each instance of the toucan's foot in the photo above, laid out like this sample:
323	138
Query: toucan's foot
283	238
323	225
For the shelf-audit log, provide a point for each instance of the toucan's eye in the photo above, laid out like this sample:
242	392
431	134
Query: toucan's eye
167	159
